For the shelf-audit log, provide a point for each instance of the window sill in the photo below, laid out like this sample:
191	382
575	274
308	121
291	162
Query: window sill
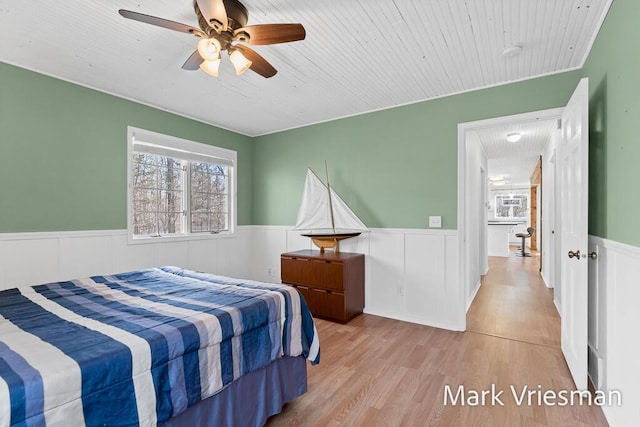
181	238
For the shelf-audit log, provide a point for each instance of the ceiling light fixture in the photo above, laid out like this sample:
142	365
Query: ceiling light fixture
514	137
209	49
496	178
211	67
511	51
239	61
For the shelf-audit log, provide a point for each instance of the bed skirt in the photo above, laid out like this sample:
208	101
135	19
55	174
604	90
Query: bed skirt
251	399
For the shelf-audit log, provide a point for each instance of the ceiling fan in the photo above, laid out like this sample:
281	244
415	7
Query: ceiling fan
223	26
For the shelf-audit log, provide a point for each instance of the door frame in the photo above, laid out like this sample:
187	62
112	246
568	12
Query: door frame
465	252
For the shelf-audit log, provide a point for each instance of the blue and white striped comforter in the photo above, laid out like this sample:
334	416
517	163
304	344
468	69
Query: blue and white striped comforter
138	348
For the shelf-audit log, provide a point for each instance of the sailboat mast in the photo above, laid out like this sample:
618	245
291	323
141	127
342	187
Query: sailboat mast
326	171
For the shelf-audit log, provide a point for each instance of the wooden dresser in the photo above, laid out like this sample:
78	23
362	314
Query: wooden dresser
332	284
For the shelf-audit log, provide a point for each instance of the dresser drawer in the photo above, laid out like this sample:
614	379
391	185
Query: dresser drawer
325	304
319	273
328	274
294	270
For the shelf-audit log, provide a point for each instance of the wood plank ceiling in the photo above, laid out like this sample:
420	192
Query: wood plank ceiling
515	161
359	55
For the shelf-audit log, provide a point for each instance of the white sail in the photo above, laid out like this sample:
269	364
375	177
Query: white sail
315	209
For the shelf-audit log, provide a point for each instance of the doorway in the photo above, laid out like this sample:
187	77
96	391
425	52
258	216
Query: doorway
571	212
471	160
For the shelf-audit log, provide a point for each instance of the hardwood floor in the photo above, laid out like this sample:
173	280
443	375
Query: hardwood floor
378	371
513	302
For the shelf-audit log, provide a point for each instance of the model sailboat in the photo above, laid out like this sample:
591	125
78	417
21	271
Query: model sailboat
324	216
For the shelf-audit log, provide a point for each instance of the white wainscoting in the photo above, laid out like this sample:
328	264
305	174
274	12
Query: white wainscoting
614	318
33	258
410	275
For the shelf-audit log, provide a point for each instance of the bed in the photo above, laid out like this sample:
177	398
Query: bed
160	346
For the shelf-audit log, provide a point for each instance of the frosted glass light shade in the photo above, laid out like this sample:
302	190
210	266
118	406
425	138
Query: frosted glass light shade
211	67
239	61
513	137
209	49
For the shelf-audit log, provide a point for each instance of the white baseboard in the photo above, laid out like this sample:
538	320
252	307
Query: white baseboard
435	323
473	294
545	280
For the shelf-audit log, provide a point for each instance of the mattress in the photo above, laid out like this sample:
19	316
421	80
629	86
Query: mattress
139	348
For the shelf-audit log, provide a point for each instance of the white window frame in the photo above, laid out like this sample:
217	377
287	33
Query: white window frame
187	150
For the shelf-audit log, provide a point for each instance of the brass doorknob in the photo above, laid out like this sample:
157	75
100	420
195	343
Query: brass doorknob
575	254
593	255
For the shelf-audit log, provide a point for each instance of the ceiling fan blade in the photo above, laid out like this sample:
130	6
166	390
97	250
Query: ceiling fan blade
193	62
258	63
272	33
214	10
164	23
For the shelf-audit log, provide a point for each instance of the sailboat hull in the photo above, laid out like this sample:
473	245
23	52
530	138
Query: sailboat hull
329	240
332	236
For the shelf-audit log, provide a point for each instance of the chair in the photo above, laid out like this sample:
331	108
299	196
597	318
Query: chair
528	234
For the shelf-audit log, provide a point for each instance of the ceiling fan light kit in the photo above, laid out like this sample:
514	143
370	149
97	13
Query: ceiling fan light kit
240	63
211	67
223	26
209	49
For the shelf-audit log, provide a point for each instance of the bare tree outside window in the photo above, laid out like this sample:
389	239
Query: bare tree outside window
520	210
209	198
157	195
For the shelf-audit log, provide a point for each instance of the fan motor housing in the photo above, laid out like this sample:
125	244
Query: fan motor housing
237	15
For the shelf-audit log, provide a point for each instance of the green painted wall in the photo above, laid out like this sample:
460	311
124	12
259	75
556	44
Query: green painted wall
395	167
613	68
63	153
63	149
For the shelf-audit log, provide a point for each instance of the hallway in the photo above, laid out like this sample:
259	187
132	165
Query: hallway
513	302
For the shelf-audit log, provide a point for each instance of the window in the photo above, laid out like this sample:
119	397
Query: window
178	188
209	197
514	206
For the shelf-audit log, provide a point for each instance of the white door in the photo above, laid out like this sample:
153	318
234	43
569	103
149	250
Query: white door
574	241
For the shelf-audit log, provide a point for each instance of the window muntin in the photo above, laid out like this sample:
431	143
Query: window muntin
178	188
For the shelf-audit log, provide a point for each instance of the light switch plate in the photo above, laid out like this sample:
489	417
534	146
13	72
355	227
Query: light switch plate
435	222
